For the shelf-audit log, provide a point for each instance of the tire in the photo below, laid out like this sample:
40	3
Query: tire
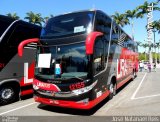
112	90
133	75
7	94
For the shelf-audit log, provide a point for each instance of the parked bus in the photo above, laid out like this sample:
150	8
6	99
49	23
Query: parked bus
16	72
82	57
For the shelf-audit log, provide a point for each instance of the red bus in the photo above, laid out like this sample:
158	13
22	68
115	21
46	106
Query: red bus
82	57
16	74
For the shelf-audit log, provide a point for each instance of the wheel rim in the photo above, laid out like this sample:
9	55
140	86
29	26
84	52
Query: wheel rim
134	74
7	93
111	88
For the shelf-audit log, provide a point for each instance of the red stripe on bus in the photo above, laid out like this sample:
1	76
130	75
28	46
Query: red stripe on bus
26	92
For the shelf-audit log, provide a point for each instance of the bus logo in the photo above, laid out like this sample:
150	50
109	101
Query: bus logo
26	79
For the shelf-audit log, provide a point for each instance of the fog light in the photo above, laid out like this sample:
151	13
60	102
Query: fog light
84	101
35	87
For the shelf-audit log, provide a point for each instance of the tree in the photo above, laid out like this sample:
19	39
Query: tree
156	25
145	45
14	15
120	19
46	18
143	10
34	18
139	44
131	14
158	46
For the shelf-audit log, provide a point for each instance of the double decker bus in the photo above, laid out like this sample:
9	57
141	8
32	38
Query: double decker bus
82	58
16	74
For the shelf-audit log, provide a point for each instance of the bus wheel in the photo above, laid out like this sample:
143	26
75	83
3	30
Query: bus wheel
133	75
7	94
112	90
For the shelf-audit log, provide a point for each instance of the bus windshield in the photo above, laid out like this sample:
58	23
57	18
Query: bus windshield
66	61
69	24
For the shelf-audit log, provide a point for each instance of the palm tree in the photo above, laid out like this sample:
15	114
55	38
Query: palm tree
46	18
158	46
143	10
156	25
34	18
131	14
139	43
145	45
14	15
120	19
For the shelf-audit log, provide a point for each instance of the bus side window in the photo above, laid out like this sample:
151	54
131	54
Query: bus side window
115	35
106	44
103	23
98	60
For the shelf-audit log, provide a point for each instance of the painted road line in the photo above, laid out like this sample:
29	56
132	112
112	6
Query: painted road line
156	95
134	94
16	108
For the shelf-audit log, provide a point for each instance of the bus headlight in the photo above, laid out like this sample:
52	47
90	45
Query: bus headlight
84	101
85	89
35	87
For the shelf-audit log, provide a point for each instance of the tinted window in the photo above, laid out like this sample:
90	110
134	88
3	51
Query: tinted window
3	26
106	44
71	58
115	35
69	24
98	56
103	23
20	33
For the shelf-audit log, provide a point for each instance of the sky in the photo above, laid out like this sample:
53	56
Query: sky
56	7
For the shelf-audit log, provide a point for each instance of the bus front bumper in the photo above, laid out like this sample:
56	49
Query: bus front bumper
83	104
63	103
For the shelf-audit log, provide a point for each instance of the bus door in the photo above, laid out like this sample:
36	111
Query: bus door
99	64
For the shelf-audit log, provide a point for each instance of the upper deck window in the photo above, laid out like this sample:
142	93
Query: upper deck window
69	24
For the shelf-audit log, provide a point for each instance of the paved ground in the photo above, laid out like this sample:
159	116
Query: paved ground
138	97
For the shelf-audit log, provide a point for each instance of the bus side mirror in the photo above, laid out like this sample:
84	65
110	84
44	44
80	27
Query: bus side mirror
91	40
24	43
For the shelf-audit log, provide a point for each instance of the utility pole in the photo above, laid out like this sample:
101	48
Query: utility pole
150	30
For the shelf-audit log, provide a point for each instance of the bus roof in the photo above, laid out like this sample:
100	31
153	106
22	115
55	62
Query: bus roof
10	20
6	18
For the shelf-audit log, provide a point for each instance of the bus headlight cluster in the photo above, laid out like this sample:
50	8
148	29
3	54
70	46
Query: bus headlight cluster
84	90
35	87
